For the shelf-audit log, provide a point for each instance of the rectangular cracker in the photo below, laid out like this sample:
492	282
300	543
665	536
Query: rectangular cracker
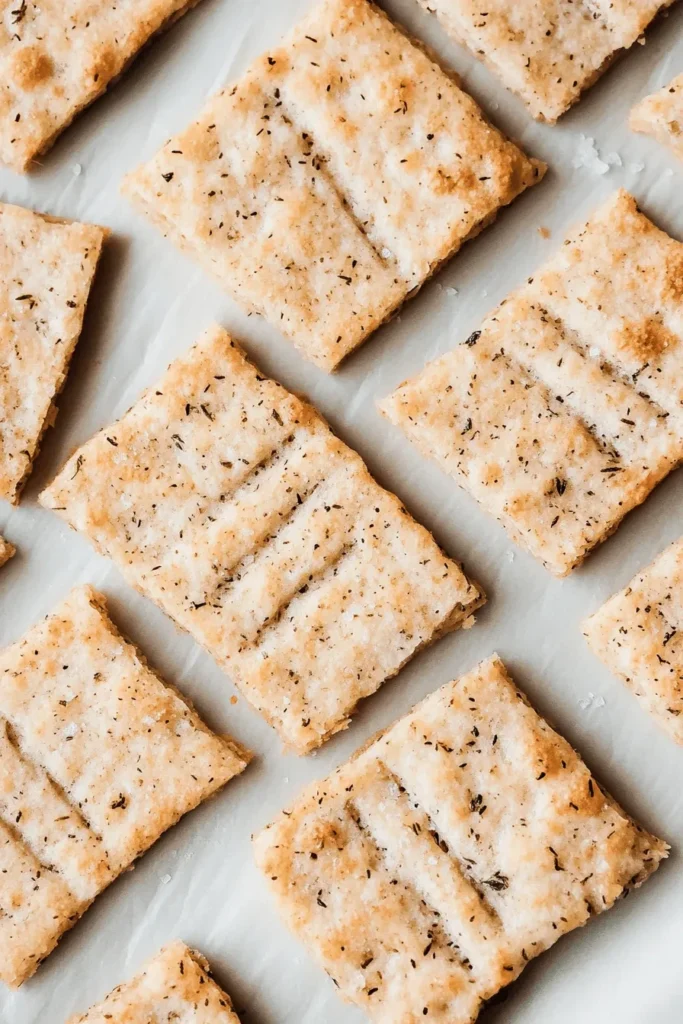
661	115
566	409
98	757
6	551
230	503
57	57
638	634
46	271
468	838
327	184
547	51
175	986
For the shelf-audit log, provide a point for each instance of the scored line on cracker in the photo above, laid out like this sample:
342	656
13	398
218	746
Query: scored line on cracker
565	410
231	504
467	839
98	757
326	185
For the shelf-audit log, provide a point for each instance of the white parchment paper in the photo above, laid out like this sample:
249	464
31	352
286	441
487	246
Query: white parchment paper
149	305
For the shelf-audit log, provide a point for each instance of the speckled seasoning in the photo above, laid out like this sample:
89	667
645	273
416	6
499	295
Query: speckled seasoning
661	115
638	634
46	271
333	179
547	51
6	551
97	758
231	504
566	409
466	840
174	988
56	58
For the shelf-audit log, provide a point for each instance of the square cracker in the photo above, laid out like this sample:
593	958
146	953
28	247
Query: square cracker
230	503
661	115
638	634
329	182
46	270
57	56
6	551
174	986
464	841
547	51
97	758
565	410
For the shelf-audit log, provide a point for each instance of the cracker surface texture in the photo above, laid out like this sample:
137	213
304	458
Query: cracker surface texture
230	503
466	840
333	179
97	758
57	57
175	986
566	409
547	51
638	634
6	551
46	271
661	115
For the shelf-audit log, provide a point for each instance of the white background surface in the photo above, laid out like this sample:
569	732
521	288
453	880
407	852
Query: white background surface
149	304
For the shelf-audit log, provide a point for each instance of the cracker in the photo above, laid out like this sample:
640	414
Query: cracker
566	409
174	986
230	503
464	841
46	270
638	634
56	58
661	115
547	51
6	551
327	184
97	758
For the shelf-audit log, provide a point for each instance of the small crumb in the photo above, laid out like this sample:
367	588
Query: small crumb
614	160
70	731
469	622
165	879
511	556
451	291
387	254
544	232
594	351
76	170
637	168
233	699
599	702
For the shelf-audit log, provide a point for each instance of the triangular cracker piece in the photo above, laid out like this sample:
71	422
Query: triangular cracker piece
547	51
333	179
427	871
566	409
231	504
661	115
6	551
638	634
46	270
175	986
97	758
57	56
